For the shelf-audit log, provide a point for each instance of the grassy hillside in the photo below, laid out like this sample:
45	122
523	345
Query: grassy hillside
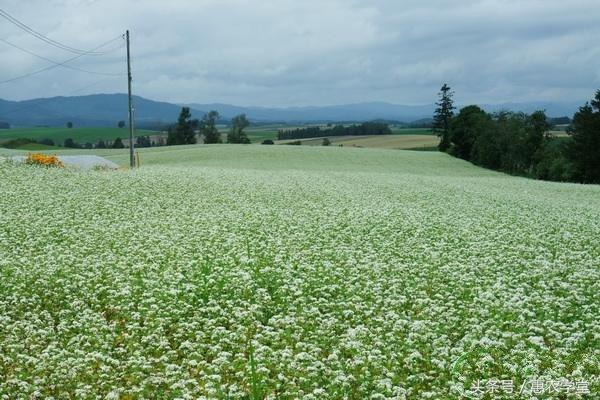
292	272
412	131
401	141
79	135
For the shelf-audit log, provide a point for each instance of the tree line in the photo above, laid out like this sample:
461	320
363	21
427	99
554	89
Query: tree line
186	130
366	128
140	141
519	143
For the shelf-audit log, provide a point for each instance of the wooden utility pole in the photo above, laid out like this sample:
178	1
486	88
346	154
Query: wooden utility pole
131	153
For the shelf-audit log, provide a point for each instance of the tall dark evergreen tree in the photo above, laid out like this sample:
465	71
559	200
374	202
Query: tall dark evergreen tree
183	132
584	149
443	115
208	128
236	133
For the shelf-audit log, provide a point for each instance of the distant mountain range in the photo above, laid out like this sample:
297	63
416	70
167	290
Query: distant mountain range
93	110
108	109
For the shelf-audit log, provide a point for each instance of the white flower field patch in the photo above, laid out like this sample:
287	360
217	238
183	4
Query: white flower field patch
250	273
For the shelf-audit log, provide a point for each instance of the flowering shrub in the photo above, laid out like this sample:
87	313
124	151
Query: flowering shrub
43	159
283	273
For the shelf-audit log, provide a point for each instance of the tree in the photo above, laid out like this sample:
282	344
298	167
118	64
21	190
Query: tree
551	161
208	128
326	142
118	144
143	141
69	124
236	133
584	149
100	144
184	126
183	132
47	142
70	143
537	131
171	138
443	115
121	124
465	128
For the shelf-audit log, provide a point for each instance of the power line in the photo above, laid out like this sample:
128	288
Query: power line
43	38
58	63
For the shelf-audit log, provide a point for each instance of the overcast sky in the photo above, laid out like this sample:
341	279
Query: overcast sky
311	52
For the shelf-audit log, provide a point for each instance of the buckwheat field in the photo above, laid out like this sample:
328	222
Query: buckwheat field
283	272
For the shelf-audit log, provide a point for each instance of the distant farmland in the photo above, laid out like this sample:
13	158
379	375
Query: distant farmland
401	138
376	141
79	135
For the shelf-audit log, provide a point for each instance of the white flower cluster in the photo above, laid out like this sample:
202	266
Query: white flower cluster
362	275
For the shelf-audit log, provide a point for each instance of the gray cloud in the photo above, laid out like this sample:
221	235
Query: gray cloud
292	52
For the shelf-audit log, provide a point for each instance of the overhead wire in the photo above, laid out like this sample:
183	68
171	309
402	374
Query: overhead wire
79	53
44	38
58	63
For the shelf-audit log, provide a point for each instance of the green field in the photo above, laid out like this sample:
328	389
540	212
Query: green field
284	272
256	134
412	131
399	141
79	135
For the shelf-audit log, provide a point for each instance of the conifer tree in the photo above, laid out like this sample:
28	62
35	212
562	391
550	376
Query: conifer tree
443	115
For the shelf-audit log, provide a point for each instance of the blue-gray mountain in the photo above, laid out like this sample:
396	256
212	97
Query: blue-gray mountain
93	110
108	109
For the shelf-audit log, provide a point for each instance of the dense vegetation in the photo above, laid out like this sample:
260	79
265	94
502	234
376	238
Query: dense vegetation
520	144
236	131
186	130
280	272
366	128
183	131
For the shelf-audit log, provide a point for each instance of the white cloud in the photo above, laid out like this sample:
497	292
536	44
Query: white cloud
293	52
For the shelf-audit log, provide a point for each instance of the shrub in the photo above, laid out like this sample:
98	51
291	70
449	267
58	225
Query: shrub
43	159
16	143
326	142
552	163
295	143
118	144
267	141
70	143
47	142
